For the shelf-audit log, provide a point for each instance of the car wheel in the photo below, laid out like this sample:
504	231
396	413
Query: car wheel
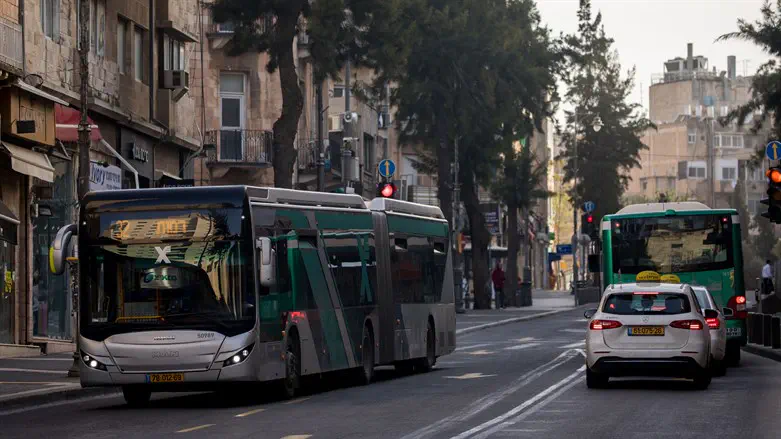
366	372
702	379
596	380
732	357
427	363
290	385
136	396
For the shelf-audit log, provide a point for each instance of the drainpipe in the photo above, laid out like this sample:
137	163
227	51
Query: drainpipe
24	52
152	81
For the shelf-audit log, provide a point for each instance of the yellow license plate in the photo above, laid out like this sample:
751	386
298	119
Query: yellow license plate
165	378
646	330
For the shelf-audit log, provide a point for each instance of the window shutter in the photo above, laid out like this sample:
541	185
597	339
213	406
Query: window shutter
683	169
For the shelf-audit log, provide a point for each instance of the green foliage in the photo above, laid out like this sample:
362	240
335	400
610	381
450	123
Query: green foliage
596	87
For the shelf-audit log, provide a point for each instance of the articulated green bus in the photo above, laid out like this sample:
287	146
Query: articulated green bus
700	245
189	288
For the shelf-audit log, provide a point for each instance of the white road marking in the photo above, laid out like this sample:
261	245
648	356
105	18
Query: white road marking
251	412
491	399
521	346
525	339
582	320
461	348
51	372
296	401
200	427
493	425
573	331
471	376
481	352
49	389
298	436
574	345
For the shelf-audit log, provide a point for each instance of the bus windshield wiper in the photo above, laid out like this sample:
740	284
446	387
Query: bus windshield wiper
206	315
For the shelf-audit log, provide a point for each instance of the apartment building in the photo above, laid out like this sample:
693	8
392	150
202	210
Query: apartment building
691	155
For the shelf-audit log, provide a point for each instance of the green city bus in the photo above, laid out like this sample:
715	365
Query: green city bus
700	245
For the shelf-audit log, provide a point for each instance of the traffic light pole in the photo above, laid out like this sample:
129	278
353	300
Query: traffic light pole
458	271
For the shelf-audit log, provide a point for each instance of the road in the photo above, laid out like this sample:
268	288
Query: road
521	380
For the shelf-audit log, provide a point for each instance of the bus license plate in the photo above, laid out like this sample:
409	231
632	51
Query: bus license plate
646	330
733	332
165	378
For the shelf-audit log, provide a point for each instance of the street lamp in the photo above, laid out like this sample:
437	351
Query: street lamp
596	125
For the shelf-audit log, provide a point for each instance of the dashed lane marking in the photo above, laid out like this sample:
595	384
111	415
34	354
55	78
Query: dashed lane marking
296	401
573	331
251	412
521	346
461	348
525	339
471	376
574	345
52	372
298	436
480	352
200	427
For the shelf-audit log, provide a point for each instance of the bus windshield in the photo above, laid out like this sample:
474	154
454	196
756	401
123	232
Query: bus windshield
677	244
158	273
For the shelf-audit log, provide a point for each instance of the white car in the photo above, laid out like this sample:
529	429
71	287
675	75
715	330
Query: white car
648	329
717	328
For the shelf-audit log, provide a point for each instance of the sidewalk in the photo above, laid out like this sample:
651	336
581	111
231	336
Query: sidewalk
544	302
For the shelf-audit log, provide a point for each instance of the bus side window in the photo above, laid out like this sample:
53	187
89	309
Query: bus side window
284	285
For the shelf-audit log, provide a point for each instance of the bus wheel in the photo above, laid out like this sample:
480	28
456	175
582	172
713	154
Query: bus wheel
733	354
136	396
427	363
292	381
366	374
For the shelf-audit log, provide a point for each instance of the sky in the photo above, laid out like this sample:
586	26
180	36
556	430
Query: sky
649	32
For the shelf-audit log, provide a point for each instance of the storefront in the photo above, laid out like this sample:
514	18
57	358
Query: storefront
138	150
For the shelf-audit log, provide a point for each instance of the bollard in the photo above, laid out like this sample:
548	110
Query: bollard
767	330
750	327
776	332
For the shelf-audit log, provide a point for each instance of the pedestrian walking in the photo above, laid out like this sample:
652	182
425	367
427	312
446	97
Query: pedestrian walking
498	278
767	278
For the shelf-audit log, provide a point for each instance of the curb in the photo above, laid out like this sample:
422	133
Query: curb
771	354
519	319
55	396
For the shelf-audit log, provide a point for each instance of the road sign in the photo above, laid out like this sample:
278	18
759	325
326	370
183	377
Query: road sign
387	168
773	150
564	249
589	206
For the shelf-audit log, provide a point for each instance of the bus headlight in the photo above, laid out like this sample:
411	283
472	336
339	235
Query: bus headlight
238	357
91	362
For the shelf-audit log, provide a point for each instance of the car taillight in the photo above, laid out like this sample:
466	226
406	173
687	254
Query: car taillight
694	325
598	325
713	322
738	304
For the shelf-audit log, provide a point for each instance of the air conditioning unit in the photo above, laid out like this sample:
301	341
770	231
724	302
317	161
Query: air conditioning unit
335	123
176	79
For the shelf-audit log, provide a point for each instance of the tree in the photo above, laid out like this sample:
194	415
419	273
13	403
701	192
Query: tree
595	87
271	26
766	84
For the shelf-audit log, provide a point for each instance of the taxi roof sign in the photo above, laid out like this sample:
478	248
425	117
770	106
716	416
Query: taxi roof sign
648	276
670	279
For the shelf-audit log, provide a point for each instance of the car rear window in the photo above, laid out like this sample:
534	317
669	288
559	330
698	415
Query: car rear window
647	303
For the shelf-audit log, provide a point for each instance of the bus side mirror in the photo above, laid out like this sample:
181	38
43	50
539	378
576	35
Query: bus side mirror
62	247
268	266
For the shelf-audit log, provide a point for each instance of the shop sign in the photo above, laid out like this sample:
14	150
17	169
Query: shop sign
104	178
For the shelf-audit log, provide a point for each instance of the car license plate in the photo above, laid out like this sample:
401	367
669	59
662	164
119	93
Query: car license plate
165	378
646	330
733	332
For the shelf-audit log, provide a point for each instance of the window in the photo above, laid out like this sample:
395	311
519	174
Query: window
232	111
338	91
729	174
368	154
692	138
756	174
647	303
728	169
121	45
726	141
97	26
50	11
138	54
173	54
353	262
417	266
737	141
697	170
717	140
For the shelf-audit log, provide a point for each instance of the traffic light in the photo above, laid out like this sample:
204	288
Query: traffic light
386	190
587	226
773	200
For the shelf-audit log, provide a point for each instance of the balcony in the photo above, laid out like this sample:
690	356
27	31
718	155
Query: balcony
11	44
240	148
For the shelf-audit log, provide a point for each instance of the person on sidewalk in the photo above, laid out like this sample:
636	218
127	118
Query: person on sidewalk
767	278
498	278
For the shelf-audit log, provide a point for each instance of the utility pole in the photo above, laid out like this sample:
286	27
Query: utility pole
575	214
458	271
84	145
319	149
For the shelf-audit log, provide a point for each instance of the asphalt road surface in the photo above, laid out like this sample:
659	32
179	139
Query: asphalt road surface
522	380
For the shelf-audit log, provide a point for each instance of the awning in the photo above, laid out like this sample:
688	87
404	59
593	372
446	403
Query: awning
38	92
67	128
160	173
30	163
7	215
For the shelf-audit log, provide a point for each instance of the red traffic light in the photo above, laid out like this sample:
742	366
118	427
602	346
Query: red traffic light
386	190
590	219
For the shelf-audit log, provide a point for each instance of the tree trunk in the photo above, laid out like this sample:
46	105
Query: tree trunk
444	159
513	245
286	127
480	241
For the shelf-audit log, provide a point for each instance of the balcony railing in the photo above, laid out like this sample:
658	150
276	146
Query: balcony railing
243	147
